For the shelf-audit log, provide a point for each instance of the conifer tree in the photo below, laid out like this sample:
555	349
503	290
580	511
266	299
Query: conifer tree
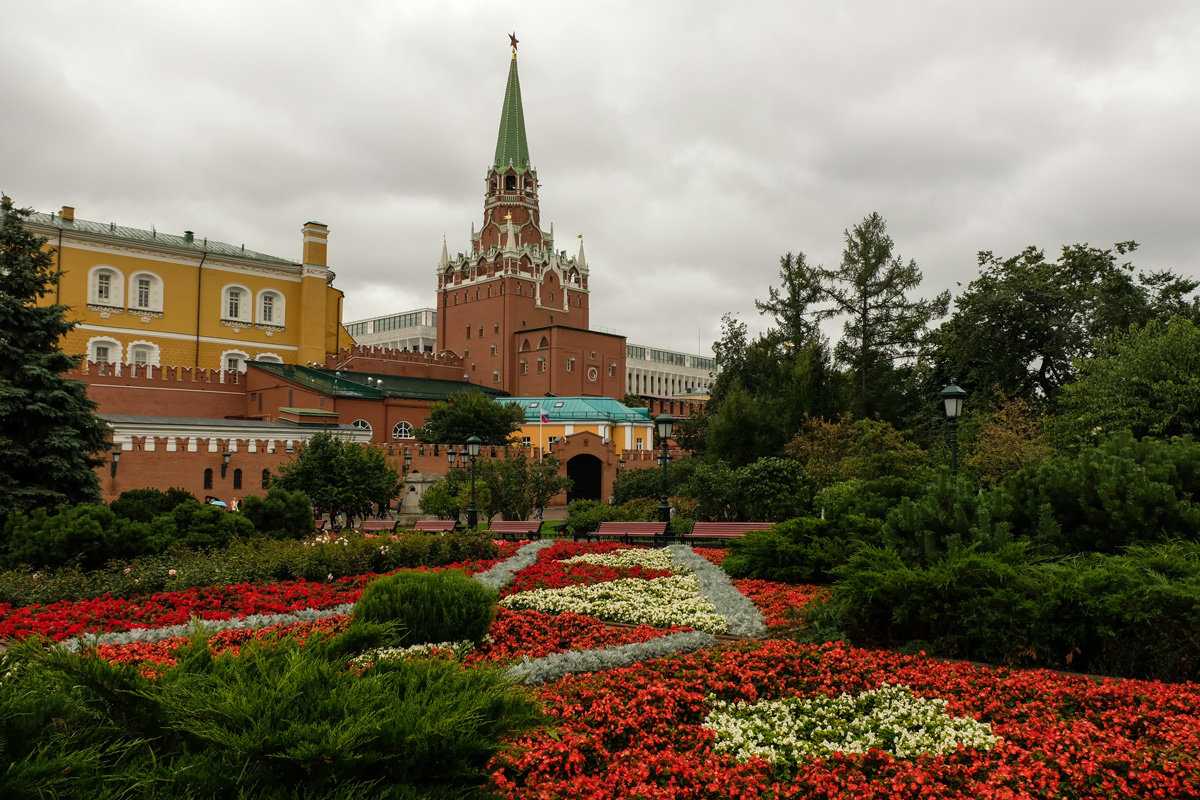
49	433
884	325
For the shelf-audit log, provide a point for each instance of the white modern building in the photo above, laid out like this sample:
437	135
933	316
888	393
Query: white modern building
654	372
415	331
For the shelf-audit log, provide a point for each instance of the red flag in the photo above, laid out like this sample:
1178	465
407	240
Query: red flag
545	418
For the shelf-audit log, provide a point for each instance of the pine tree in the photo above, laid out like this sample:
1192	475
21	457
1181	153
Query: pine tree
885	325
790	304
49	433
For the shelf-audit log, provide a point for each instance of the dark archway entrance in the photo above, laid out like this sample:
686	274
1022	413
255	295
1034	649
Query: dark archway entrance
585	472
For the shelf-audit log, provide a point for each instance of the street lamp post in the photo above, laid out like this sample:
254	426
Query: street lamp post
473	444
663	425
953	397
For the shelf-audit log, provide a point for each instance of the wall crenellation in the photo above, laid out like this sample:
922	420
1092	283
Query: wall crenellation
149	373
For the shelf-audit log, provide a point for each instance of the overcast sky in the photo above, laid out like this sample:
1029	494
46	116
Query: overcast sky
691	143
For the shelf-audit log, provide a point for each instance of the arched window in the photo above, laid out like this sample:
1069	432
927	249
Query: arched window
402	430
266	478
235	303
270	358
270	307
145	292
237	478
143	354
544	343
233	360
208	478
362	425
524	345
510	183
106	287
104	350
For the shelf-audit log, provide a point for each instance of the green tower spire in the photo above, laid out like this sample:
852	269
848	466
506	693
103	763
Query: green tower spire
511	144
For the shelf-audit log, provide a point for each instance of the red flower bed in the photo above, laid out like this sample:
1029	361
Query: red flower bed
534	634
549	571
226	641
68	618
780	603
714	554
636	732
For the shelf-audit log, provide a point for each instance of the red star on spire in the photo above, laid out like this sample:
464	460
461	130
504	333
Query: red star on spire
512	39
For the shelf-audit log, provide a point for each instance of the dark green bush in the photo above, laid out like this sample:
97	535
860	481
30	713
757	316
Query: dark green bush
1119	493
244	561
429	606
949	515
277	721
1136	614
801	550
280	514
585	516
772	490
86	535
143	505
198	527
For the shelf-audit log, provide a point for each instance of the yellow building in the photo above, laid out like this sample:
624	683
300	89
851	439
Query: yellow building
550	420
145	297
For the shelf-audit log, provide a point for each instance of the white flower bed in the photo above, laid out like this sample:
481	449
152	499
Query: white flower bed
673	600
657	558
457	650
889	718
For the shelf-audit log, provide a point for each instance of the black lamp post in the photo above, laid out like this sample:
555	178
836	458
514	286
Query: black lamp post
473	444
116	458
663	425
953	397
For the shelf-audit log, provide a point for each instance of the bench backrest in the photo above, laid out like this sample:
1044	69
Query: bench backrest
377	525
634	528
729	528
434	525
516	526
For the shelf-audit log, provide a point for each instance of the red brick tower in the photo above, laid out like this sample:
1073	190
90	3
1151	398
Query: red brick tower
513	308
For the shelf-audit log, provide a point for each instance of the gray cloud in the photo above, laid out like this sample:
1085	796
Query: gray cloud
691	143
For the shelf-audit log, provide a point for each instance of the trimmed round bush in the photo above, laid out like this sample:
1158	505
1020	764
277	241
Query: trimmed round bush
429	606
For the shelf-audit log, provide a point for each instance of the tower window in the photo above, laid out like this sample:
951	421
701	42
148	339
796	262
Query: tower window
510	183
468	331
524	367
237	479
208	478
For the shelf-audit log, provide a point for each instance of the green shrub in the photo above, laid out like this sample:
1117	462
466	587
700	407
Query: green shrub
1104	498
429	606
1136	614
801	550
634	484
250	561
199	527
280	514
951	514
277	721
143	505
86	535
772	490
585	516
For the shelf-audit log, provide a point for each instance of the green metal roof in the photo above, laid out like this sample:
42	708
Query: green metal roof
512	148
577	409
343	383
112	230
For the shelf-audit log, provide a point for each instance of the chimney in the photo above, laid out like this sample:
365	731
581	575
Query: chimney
68	213
316	237
189	236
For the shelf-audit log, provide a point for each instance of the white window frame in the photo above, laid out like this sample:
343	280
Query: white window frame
278	309
116	287
115	349
398	435
225	354
156	292
362	425
269	358
244	310
152	360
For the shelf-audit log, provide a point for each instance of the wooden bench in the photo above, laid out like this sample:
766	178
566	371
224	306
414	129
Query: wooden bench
725	530
626	531
517	529
375	525
434	526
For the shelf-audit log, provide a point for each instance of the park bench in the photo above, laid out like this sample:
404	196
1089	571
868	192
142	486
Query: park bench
434	526
517	529
322	525
627	531
376	525
703	531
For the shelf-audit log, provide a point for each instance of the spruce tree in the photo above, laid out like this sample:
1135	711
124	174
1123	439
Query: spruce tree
49	433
